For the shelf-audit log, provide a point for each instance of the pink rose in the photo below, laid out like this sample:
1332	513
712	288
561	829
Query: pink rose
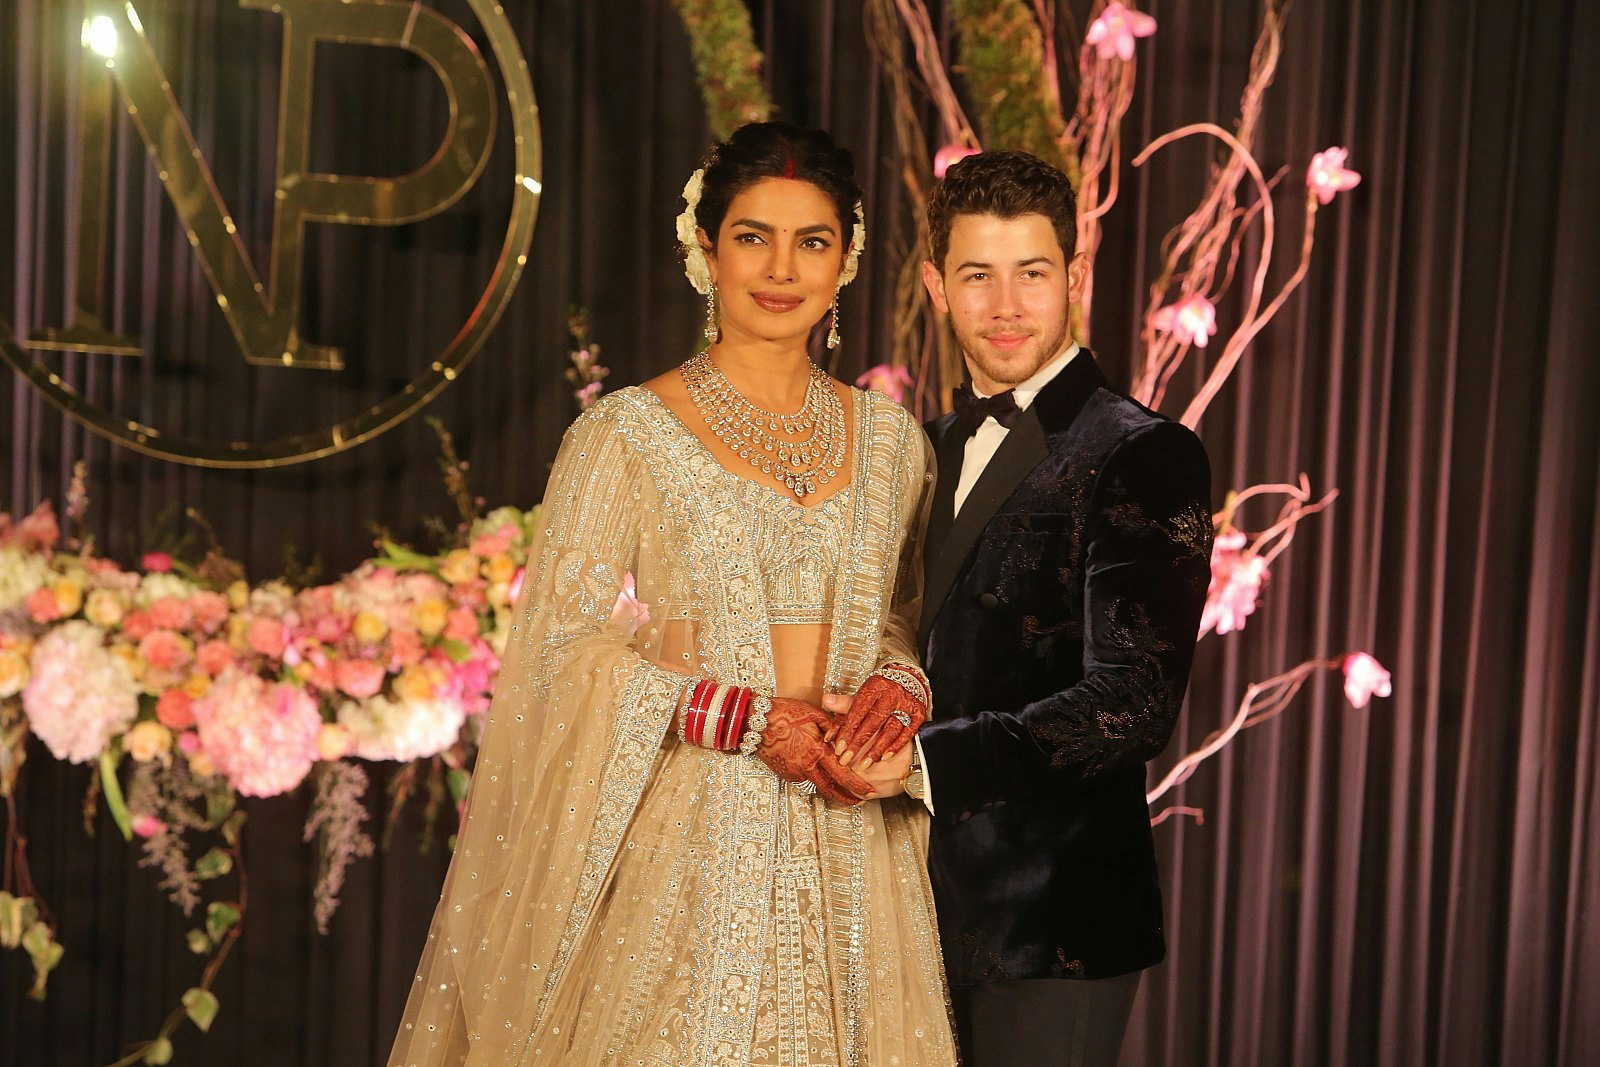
331	629
361	678
266	636
39	531
189	743
170	613
214	657
1364	678
516	584
43	606
136	624
164	650
159	562
208	611
175	711
405	648
462	625
492	544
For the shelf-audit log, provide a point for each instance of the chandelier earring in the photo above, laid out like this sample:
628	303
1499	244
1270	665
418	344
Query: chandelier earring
712	330
833	322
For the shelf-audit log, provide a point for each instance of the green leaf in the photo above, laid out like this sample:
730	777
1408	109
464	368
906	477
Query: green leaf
160	1052
201	1004
458	780
37	940
213	864
45	953
220	918
199	943
220	803
456	650
231	828
16	915
113	792
404	559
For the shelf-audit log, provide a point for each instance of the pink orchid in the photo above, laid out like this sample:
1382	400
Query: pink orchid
361	678
1327	175
1113	32
148	825
893	382
1192	320
1364	678
157	562
949	156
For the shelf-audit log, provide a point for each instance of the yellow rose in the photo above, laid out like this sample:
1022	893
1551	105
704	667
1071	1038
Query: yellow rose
13	672
418	682
69	596
430	615
197	684
106	608
334	741
501	568
369	627
201	764
239	595
146	741
130	658
459	567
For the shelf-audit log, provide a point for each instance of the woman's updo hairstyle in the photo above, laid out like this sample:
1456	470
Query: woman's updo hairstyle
776	150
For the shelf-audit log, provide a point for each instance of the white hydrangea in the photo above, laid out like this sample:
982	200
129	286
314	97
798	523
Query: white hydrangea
21	574
404	730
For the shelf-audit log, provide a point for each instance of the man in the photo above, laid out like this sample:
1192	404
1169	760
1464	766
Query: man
1066	567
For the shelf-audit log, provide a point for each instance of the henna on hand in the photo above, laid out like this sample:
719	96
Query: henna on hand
792	746
870	730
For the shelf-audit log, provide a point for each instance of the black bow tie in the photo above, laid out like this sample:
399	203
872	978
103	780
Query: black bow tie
972	409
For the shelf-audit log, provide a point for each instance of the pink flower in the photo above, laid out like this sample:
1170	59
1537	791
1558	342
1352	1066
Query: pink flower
630	612
1113	32
516	584
331	629
170	613
262	738
175	710
361	678
1235	584
1192	320
893	382
164	650
267	637
189	743
405	648
214	657
136	624
43	606
79	696
462	625
1327	176
208	611
1364	678
148	825
588	395
947	157
159	562
38	532
492	544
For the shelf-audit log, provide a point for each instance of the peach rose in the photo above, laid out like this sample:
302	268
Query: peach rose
147	741
14	672
459	566
334	741
361	678
175	709
370	628
106	608
429	616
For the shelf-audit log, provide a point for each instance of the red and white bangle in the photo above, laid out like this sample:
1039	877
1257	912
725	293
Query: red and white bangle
721	717
909	678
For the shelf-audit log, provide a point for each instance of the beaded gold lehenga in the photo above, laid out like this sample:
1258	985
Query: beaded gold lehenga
620	897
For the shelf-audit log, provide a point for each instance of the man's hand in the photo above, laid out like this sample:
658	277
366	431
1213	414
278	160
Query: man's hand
870	726
793	747
889	777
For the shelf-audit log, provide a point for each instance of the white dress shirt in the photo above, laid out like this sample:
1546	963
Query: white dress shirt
981	447
983	444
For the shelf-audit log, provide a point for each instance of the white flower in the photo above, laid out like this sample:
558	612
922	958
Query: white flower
858	241
21	574
695	266
80	695
155	586
403	730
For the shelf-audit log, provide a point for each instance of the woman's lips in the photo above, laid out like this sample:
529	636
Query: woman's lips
777	303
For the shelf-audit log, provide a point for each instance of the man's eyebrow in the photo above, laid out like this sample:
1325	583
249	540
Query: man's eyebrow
1019	263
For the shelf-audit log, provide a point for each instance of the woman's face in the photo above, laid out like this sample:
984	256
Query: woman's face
777	260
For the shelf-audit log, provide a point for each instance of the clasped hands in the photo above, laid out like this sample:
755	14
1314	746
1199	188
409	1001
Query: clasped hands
860	752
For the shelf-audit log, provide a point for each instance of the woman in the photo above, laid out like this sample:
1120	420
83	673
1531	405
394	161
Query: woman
663	862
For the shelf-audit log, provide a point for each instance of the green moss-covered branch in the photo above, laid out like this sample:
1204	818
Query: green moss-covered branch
727	62
1000	53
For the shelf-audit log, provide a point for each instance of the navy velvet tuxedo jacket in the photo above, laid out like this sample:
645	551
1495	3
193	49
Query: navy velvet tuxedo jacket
1061	613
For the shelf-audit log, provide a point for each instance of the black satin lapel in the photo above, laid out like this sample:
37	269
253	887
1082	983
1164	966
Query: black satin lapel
1022	450
949	449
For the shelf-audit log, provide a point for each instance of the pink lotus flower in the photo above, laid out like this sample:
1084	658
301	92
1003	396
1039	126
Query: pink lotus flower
43	606
1113	32
892	382
949	156
267	636
1327	176
1192	320
157	562
1364	678
148	825
214	657
175	710
164	650
361	678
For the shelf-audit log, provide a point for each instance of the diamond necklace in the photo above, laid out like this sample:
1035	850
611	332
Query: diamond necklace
803	465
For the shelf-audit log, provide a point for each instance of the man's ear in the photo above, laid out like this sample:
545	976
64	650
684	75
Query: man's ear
933	281
1077	277
711	253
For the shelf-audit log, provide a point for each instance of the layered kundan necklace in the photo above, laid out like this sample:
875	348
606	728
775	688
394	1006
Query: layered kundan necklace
802	465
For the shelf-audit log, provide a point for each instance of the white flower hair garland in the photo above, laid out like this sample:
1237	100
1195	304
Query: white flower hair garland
698	271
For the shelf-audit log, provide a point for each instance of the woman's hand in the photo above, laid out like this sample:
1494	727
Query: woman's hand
880	721
793	747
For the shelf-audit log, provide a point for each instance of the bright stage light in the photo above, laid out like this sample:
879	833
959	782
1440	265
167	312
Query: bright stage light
100	36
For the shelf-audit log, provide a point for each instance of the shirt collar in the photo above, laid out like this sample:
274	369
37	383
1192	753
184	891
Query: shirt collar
1042	377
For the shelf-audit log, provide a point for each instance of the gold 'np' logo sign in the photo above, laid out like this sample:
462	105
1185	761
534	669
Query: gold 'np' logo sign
261	302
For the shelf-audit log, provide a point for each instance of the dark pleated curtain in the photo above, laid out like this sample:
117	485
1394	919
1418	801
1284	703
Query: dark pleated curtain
1415	883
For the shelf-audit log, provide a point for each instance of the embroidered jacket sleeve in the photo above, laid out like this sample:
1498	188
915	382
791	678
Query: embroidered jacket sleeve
1146	566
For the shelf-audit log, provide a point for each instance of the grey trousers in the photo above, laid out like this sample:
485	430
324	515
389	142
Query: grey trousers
1050	1022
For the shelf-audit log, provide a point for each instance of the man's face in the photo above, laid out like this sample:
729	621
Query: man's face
1007	288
